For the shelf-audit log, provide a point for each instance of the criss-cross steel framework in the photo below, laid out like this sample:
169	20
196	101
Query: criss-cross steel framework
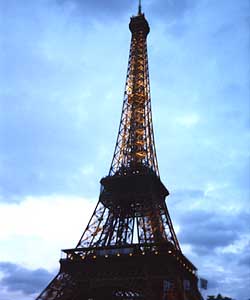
135	143
129	249
127	210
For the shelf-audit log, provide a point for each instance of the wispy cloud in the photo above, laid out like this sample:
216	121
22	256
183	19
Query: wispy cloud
188	120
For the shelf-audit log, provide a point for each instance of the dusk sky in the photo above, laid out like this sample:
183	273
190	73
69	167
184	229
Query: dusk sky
62	73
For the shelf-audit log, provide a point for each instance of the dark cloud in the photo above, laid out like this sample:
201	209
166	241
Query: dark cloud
245	260
219	279
205	231
213	281
17	278
245	257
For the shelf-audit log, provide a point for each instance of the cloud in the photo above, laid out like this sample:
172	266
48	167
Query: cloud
43	126
224	275
188	194
63	68
10	295
207	231
17	278
170	10
223	245
112	10
50	134
245	259
55	221
188	120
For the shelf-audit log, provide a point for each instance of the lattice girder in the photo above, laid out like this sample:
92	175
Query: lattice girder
129	250
135	145
141	276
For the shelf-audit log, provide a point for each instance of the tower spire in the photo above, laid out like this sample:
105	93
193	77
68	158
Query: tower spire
139	8
135	147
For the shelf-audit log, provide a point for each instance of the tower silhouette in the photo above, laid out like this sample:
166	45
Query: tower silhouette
129	249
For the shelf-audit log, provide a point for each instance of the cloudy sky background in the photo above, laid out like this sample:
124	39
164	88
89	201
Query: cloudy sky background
62	73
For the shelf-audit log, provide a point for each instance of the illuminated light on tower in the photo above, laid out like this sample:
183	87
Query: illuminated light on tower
129	249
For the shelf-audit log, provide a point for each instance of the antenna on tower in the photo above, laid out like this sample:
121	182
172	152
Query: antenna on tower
139	8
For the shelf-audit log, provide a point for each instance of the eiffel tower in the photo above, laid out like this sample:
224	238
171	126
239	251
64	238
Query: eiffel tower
129	249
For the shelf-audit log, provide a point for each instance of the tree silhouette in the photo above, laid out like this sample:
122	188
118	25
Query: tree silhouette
218	297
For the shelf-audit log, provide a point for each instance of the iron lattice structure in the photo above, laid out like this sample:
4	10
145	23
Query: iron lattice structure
135	145
129	249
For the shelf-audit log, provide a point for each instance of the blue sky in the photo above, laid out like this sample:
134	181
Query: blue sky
62	73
